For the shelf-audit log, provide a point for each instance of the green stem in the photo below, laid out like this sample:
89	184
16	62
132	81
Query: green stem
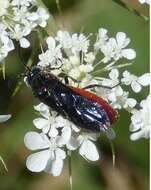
98	71
131	9
70	170
60	13
58	7
107	68
1	159
113	152
3	70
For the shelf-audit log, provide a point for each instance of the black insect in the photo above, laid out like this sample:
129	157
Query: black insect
83	108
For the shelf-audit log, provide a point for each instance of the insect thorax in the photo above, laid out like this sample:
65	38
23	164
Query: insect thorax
41	81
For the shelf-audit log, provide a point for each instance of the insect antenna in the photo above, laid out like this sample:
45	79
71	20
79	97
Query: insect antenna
21	58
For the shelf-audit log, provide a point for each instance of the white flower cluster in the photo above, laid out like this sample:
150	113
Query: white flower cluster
17	20
114	48
70	55
58	135
144	1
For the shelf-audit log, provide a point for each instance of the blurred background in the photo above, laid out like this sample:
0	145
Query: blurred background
132	158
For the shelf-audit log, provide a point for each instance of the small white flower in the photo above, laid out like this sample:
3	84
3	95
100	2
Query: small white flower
87	148
140	121
108	50
64	39
136	82
101	39
52	56
130	103
114	48
39	17
72	44
113	80
125	102
86	68
50	156
45	123
79	43
22	20
75	69
42	17
89	57
6	44
19	33
20	14
121	42
22	3
53	125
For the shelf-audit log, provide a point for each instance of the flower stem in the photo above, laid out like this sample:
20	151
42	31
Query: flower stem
70	170
1	159
60	13
131	9
113	152
58	7
3	70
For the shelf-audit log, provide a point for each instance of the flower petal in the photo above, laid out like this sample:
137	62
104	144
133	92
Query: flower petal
53	131
120	37
56	167
4	118
41	107
51	43
140	134
114	74
144	80
40	123
131	102
88	151
37	162
136	87
24	43
65	136
60	154
73	144
129	54
34	141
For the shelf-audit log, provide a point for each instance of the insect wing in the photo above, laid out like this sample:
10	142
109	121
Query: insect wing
112	113
82	111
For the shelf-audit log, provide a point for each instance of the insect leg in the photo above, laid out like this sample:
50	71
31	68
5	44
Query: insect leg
102	86
49	68
21	57
66	78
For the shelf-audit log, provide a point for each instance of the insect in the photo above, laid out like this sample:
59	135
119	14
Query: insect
80	106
